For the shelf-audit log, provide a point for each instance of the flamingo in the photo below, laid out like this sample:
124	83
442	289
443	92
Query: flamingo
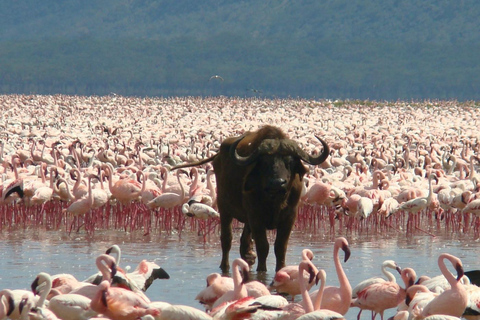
13	299
41	286
83	205
418	204
286	280
3	307
124	190
71	306
197	192
217	285
473	307
240	271
181	312
79	190
100	196
147	193
251	308
107	266
199	210
452	301
120	304
379	297
367	282
313	311
390	277
337	298
43	194
417	297
169	199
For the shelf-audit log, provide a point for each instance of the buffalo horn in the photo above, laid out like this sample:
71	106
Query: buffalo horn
270	146
314	160
239	160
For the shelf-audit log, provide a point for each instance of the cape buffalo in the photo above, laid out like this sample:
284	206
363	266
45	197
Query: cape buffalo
259	182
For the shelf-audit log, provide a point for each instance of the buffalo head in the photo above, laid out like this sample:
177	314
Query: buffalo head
274	164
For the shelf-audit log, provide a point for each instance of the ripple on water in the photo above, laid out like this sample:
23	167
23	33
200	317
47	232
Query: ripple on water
188	259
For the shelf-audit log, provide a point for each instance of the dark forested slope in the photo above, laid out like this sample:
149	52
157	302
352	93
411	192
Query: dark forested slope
326	49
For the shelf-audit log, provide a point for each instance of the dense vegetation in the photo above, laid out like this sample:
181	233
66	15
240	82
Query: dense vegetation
325	49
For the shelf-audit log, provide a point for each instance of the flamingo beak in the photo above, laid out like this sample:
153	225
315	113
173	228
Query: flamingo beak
34	286
460	271
114	270
160	273
346	249
104	298
245	276
408	299
11	306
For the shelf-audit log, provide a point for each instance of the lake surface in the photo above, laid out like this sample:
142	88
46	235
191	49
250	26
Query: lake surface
189	259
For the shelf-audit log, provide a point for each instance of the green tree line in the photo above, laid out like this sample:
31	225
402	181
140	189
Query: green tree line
321	49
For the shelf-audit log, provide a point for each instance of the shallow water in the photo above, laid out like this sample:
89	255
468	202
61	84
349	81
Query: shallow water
188	259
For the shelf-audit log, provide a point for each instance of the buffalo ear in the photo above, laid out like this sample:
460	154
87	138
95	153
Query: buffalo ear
300	169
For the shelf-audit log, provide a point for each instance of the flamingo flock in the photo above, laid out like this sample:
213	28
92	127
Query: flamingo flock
115	294
104	162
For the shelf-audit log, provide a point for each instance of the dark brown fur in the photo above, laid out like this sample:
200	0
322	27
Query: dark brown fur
263	195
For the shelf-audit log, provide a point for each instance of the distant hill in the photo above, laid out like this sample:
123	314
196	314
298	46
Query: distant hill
365	49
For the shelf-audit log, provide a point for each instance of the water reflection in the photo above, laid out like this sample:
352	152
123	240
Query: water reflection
188	259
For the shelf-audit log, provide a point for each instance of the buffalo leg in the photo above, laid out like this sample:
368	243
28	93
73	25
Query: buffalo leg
246	247
281	242
262	246
226	240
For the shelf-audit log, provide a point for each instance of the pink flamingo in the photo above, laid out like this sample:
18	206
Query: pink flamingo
452	301
41	286
217	285
379	297
181	312
81	206
124	190
80	190
417	297
314	311
390	277
120	304
286	280
251	308
198	192
416	205
473	306
107	266
150	192
71	306
43	194
169	200
240	271
338	298
13	299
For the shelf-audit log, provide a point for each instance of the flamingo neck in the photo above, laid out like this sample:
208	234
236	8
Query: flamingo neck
44	292
345	286
447	274
304	290
319	297
194	184
430	190
90	193
104	269
182	189
389	275
239	289
164	184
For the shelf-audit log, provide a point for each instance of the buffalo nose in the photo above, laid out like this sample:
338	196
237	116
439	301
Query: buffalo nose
277	184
